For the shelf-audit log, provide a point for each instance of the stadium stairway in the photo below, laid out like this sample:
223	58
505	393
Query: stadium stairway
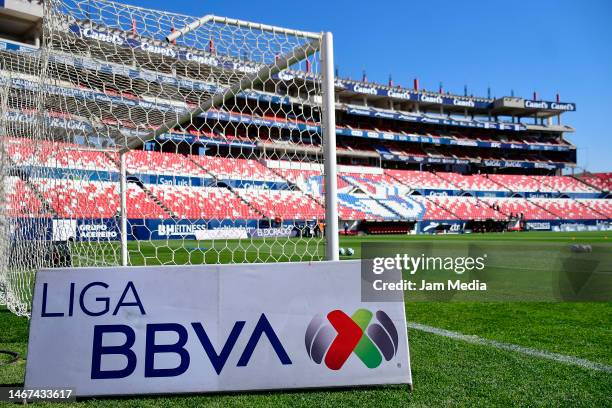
451	215
231	190
46	206
557	216
144	188
502	186
153	197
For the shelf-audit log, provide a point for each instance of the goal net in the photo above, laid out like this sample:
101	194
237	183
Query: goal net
140	137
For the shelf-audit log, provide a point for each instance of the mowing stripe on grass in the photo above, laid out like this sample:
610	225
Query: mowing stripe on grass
561	358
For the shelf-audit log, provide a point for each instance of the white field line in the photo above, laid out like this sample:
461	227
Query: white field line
561	358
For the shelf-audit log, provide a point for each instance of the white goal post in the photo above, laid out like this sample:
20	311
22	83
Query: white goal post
141	137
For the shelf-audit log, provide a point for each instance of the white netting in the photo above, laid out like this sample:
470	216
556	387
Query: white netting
211	124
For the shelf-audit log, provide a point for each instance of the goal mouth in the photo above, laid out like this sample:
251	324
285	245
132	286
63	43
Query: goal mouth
135	135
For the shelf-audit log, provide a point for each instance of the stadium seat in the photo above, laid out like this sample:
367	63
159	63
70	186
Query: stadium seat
523	183
80	198
468	208
601	207
20	200
516	206
362	208
203	203
420	179
237	168
58	155
475	182
286	204
573	209
382	194
140	161
601	181
433	211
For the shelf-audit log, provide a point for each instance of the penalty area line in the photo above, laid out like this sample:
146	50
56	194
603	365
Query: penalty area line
561	358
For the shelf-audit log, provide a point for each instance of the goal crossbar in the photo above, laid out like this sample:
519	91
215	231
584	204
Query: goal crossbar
249	81
210	18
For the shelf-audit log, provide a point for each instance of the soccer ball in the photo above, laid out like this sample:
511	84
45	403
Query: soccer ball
350	252
342	252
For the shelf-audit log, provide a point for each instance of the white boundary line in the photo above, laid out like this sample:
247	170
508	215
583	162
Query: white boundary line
561	358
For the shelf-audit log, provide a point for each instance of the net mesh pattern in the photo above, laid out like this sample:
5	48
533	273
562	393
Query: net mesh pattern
219	129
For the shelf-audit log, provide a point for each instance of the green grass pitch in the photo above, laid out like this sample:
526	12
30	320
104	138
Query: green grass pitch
446	371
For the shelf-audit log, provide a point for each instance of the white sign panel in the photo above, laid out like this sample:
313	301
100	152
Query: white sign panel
63	230
179	329
220	233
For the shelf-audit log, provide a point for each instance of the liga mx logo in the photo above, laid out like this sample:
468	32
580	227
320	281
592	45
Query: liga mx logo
335	337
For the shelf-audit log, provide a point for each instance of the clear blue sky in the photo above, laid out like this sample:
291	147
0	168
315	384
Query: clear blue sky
545	46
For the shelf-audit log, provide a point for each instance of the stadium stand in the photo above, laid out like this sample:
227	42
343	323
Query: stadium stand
141	206
469	183
601	181
444	160
540	183
140	161
70	198
570	208
21	201
419	179
236	168
527	208
204	203
468	208
363	207
57	154
373	196
284	204
602	207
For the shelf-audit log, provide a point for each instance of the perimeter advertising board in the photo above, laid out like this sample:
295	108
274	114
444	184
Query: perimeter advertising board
208	328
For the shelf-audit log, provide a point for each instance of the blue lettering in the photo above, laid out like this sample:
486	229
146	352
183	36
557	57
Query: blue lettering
44	312
177	348
103	299
71	301
218	360
263	327
136	302
125	349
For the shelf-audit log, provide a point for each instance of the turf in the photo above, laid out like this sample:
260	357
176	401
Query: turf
446	372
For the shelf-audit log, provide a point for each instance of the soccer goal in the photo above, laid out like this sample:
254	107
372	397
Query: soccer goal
141	137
